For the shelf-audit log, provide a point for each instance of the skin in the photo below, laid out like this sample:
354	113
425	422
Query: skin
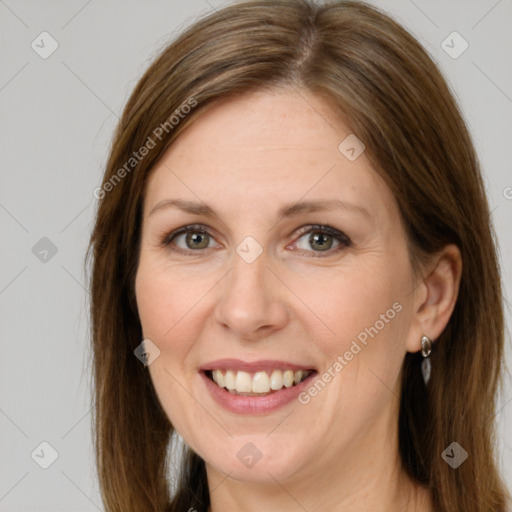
246	158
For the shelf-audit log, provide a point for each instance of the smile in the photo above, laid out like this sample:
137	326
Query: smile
255	387
259	383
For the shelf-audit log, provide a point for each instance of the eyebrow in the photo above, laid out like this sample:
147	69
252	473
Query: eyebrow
289	210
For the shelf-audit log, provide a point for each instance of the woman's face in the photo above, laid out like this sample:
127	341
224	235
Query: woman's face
265	284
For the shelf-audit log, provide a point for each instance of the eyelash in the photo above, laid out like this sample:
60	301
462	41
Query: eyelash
343	239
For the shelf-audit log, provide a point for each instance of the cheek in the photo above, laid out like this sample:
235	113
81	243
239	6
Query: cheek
362	361
361	303
165	302
164	299
367	309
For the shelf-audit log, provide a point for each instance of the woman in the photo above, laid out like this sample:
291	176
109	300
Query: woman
290	227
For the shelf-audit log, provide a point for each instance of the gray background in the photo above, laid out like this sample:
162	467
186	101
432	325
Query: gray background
57	116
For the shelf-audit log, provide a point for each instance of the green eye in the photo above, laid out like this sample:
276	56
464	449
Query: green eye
321	239
196	240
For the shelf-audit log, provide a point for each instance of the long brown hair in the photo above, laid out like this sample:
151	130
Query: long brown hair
396	101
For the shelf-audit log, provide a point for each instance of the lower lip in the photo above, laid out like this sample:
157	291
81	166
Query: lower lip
254	404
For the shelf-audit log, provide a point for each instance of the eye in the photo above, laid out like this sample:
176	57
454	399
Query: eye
321	239
192	238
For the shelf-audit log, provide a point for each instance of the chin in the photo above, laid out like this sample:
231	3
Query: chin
258	459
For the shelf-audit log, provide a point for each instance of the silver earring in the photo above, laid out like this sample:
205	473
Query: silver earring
426	349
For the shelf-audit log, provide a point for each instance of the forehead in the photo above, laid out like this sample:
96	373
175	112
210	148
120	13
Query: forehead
266	147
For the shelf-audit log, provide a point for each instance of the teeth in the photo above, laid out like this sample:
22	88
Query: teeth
243	382
288	378
250	383
260	383
229	379
276	380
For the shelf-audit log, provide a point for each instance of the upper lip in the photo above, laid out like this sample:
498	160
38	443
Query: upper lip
253	366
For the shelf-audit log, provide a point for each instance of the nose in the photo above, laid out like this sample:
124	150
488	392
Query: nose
252	300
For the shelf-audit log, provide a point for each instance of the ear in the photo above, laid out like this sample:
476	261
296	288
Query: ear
435	296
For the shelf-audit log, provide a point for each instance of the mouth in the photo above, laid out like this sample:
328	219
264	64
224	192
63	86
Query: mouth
257	387
260	383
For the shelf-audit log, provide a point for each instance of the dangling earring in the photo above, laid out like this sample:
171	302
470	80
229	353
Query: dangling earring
426	349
